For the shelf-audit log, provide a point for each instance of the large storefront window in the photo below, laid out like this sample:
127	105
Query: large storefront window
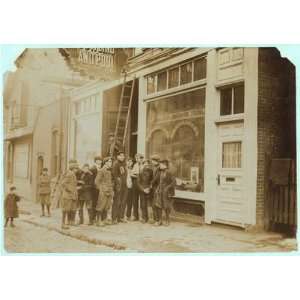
86	128
87	145
175	130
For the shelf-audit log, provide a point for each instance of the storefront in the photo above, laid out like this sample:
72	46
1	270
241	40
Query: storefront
194	102
198	108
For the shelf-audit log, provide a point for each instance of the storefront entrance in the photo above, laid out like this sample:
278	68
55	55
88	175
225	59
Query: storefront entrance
111	102
230	205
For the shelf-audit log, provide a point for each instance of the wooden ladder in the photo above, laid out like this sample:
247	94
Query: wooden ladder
123	117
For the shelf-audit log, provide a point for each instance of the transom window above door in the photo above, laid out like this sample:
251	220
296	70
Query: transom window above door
182	74
232	100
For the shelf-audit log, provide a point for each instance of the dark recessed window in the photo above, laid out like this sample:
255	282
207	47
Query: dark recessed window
226	102
200	69
173	78
161	81
186	73
238	100
232	100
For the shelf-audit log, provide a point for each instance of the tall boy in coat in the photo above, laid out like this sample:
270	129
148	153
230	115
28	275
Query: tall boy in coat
69	194
95	169
85	193
105	185
144	184
155	169
165	182
119	175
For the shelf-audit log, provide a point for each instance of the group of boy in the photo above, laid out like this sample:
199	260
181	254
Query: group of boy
112	190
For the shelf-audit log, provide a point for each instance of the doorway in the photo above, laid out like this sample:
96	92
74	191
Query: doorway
230	205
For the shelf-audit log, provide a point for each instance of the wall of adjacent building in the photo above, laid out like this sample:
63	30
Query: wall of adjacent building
276	118
40	84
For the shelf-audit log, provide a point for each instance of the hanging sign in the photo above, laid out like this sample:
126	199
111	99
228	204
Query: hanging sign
103	57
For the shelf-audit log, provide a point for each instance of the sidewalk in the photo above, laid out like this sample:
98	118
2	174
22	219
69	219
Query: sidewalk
178	237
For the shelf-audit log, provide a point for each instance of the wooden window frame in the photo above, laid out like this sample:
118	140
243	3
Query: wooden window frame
232	101
179	65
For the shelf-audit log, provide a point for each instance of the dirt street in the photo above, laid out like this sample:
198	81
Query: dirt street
27	238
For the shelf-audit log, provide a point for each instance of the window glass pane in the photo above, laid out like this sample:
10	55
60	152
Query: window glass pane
175	130
150	84
161	81
239	99
173	78
186	73
226	102
200	68
232	155
87	145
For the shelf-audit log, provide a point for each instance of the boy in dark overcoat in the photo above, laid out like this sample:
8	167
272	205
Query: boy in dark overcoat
105	185
69	195
155	169
85	193
119	175
165	190
144	184
92	206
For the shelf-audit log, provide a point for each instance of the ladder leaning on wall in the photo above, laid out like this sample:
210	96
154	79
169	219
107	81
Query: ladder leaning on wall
123	116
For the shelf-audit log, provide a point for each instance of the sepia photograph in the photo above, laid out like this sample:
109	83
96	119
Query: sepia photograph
150	150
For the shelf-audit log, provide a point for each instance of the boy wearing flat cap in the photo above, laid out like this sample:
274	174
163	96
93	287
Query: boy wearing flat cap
155	169
105	185
165	182
119	175
44	191
92	206
69	194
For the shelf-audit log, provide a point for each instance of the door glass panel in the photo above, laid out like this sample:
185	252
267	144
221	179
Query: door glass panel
232	155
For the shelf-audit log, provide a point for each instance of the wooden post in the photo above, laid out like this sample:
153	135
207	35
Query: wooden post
267	193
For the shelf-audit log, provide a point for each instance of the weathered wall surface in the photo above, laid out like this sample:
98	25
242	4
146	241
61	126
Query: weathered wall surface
276	117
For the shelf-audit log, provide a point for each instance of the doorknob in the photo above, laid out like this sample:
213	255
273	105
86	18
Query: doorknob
218	179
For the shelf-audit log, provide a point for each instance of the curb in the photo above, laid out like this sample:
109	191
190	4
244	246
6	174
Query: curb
80	237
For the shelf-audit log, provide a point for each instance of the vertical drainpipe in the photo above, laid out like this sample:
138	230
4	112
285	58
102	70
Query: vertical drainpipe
60	130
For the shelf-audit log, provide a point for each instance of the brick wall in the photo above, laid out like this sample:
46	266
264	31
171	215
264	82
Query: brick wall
276	117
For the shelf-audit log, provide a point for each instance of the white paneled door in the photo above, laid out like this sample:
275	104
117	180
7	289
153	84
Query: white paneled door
230	206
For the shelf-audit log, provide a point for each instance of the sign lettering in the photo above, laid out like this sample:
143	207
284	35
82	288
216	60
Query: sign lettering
97	56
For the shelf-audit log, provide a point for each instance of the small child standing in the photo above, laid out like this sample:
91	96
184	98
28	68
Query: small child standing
44	191
11	206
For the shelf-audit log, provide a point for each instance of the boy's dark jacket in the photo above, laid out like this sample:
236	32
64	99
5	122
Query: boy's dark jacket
145	178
